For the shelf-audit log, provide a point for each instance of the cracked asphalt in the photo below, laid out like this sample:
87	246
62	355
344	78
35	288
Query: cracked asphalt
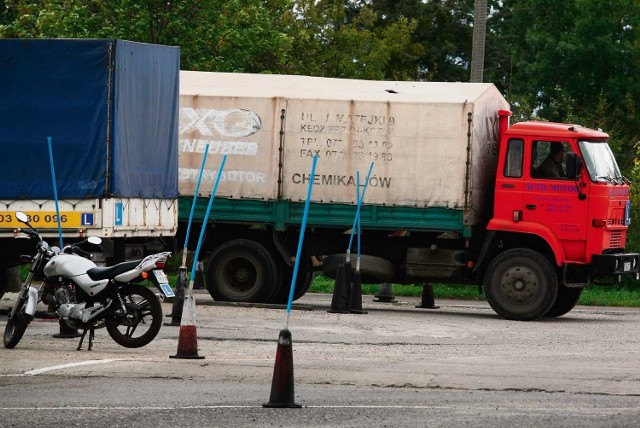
397	365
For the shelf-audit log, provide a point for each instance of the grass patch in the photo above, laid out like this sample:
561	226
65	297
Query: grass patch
610	296
593	295
323	284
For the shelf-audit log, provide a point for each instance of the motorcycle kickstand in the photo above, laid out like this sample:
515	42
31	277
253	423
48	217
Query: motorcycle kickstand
91	334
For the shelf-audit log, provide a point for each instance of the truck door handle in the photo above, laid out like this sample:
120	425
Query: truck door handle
530	207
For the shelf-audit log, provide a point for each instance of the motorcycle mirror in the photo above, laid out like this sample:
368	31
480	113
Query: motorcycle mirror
22	217
95	240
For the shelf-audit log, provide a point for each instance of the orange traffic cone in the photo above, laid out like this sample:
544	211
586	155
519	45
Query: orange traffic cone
282	387
188	337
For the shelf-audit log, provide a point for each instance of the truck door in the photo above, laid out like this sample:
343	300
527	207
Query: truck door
510	182
551	199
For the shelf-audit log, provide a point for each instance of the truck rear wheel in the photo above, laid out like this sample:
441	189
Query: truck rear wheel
521	285
303	281
242	271
567	299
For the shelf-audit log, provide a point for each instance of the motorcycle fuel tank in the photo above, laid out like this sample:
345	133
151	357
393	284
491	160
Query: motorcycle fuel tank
75	268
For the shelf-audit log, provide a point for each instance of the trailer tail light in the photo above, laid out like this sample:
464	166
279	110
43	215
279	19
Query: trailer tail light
599	222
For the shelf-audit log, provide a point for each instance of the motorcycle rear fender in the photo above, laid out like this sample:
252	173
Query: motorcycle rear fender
32	301
147	264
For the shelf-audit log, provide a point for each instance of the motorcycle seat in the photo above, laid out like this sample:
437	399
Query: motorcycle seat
99	273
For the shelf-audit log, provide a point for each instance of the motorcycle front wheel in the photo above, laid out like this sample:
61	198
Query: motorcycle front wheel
142	320
17	324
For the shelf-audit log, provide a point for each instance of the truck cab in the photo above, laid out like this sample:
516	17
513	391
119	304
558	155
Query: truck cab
561	215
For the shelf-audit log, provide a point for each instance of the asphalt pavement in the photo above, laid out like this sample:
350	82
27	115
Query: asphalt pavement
396	365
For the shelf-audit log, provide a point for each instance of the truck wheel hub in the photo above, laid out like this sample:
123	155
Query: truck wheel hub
519	284
241	275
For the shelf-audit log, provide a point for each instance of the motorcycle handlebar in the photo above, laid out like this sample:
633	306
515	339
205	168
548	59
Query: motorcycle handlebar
72	249
32	233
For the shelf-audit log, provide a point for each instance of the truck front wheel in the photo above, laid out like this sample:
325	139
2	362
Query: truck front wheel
521	285
241	271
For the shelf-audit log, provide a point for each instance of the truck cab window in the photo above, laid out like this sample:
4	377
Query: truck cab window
548	160
513	162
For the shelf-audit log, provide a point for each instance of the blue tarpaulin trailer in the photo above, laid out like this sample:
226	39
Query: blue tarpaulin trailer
110	108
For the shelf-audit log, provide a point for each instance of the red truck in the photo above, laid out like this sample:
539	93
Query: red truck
532	212
554	234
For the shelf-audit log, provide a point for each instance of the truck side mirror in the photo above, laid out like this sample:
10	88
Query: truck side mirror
574	166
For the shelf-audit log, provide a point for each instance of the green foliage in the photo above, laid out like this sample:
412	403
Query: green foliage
572	61
334	40
218	35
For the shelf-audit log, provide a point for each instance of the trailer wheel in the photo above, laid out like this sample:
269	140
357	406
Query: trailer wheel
521	285
242	271
374	270
303	281
567	299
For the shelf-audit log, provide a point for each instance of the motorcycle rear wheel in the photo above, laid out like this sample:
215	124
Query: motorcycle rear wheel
17	325
144	315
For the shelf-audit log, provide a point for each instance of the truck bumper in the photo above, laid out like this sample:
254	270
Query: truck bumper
615	264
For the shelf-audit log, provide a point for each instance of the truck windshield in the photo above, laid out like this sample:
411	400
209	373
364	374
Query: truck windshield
600	162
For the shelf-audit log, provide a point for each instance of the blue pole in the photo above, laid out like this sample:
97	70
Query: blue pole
359	204
300	241
358	226
193	205
55	190
204	222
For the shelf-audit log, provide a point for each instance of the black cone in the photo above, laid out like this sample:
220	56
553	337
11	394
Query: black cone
282	385
178	300
355	302
339	299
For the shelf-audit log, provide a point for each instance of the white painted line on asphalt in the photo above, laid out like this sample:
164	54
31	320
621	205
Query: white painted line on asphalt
66	366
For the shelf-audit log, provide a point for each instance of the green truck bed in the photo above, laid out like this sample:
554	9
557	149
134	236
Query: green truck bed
282	214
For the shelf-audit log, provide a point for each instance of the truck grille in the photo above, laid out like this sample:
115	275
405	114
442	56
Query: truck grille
615	222
615	239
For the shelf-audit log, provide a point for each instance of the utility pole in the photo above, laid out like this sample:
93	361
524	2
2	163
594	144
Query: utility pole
479	34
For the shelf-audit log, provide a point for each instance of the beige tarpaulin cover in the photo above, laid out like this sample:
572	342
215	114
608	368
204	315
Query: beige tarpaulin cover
415	133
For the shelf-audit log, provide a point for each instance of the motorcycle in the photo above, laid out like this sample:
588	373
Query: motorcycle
87	297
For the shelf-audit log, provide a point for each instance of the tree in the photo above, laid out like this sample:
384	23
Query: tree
221	35
572	61
339	38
